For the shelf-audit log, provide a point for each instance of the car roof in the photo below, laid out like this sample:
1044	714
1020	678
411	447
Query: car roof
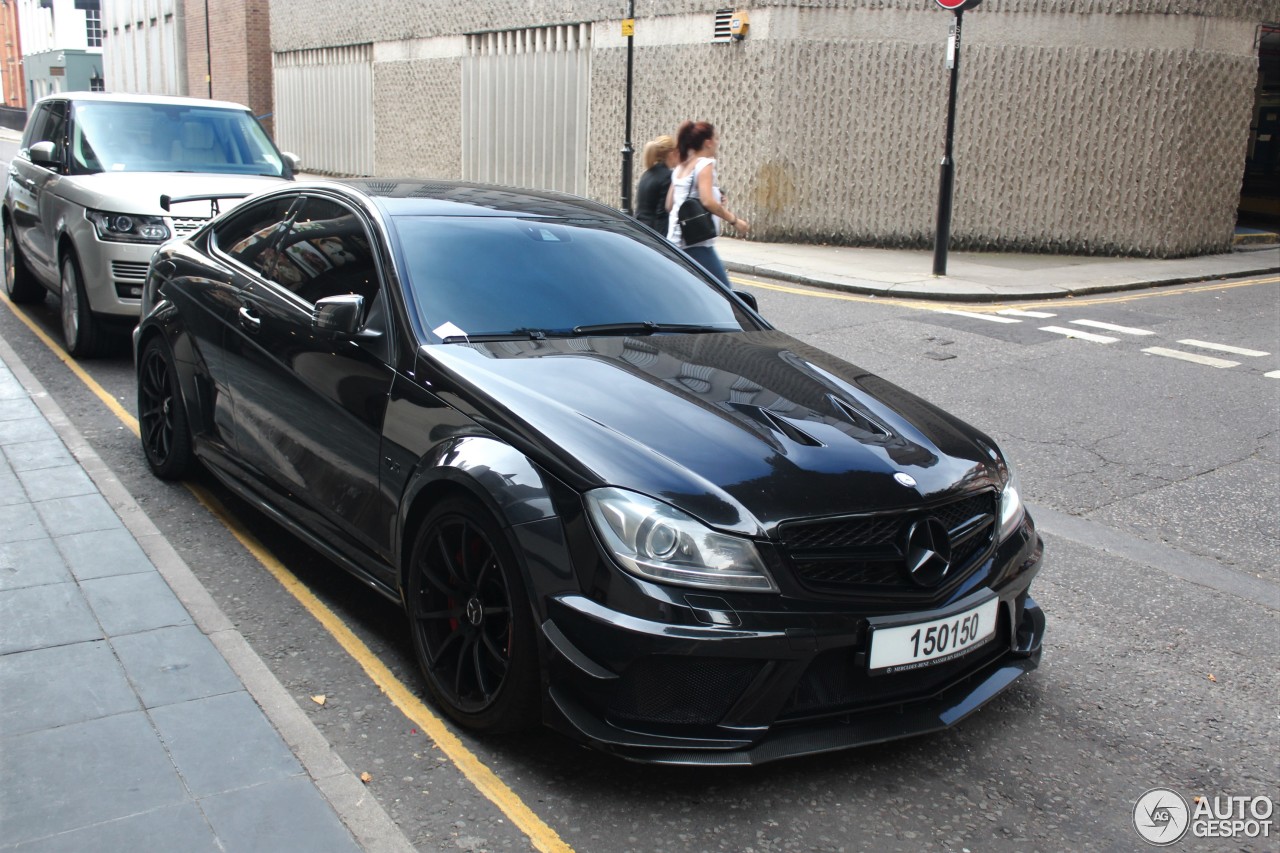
424	197
125	98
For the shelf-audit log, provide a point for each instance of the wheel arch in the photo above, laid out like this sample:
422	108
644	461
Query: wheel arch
169	330
505	482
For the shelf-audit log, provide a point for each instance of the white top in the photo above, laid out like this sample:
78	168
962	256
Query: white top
681	189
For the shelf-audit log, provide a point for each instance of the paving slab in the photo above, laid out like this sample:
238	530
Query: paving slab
31	562
171	665
47	688
38	617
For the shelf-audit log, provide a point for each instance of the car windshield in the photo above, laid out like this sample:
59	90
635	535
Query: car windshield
491	276
128	137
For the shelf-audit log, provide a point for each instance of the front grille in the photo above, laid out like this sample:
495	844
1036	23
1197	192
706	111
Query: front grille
186	227
129	270
680	690
865	554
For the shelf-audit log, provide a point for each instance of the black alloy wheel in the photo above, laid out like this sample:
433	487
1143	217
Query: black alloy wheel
470	619
162	416
19	283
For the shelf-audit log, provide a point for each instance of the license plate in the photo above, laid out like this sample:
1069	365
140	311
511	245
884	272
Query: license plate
919	644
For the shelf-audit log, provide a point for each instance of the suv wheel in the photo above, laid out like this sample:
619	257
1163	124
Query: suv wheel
20	285
82	335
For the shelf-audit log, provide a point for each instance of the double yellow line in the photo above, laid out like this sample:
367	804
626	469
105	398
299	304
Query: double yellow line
542	836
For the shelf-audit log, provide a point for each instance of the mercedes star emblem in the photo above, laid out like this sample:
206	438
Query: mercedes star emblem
928	552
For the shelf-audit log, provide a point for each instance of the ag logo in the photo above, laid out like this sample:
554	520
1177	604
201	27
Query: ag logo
1161	817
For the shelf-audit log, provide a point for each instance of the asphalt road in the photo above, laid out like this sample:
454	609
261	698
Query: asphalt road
1157	486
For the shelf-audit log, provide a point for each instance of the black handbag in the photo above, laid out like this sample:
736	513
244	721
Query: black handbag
697	225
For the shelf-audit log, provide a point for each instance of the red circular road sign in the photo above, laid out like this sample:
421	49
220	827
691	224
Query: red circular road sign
957	5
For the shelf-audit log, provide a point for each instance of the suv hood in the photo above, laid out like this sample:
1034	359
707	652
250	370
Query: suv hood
743	430
139	192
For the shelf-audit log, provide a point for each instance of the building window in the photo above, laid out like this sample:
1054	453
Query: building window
93	27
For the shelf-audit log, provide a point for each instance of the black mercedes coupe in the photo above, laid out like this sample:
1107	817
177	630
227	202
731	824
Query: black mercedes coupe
608	494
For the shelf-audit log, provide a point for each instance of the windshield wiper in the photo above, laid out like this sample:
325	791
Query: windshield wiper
646	327
489	337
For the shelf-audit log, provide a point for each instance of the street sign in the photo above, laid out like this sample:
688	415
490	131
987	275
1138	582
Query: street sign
957	5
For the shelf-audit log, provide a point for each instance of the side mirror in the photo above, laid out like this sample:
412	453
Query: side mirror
293	160
749	298
338	316
44	153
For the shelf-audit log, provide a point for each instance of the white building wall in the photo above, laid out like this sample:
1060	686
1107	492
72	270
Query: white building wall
143	46
60	27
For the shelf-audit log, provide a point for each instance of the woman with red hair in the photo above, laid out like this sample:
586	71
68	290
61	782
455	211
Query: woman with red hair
697	142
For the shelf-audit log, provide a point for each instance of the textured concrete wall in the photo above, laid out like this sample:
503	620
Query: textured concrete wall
1097	126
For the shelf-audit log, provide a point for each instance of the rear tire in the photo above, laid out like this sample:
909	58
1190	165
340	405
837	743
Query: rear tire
162	414
19	284
82	334
470	619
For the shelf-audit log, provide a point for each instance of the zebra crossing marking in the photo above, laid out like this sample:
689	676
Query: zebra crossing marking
1207	360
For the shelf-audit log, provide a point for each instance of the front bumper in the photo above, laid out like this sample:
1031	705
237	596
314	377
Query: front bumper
114	273
758	691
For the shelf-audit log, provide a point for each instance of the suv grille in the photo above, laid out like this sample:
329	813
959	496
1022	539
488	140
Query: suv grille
186	227
866	554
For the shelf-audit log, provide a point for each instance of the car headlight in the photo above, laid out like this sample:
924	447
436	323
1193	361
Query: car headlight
128	227
1011	509
658	542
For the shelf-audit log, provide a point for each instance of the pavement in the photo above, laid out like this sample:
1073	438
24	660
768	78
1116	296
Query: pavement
133	715
990	276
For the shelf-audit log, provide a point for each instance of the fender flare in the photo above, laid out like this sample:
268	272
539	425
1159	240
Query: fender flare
498	475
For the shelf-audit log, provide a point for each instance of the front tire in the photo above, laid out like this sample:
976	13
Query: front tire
82	335
162	415
19	284
470	619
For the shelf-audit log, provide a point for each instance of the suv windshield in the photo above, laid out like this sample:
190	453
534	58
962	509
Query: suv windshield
487	275
127	137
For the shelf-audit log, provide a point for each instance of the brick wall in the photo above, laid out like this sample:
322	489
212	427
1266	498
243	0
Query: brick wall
239	32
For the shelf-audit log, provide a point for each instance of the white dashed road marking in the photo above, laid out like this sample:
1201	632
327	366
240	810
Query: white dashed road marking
1111	327
991	318
1076	333
1206	360
1035	315
1274	374
1224	348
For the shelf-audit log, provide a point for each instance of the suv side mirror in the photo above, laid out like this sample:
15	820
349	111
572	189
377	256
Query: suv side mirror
293	160
338	316
44	153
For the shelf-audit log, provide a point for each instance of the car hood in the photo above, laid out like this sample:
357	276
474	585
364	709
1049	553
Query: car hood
139	192
743	430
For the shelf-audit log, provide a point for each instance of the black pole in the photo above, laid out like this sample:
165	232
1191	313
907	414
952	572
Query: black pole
208	51
627	150
947	177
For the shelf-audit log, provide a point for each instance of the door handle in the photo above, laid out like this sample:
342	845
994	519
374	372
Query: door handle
249	320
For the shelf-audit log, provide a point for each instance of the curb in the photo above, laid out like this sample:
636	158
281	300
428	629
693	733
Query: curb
936	291
358	810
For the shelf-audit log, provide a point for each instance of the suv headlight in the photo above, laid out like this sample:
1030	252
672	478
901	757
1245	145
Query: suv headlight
658	542
128	227
1011	509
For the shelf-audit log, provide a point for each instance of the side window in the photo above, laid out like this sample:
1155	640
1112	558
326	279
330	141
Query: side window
327	252
35	127
55	129
252	236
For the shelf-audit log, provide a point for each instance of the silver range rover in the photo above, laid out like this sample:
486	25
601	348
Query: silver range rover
83	209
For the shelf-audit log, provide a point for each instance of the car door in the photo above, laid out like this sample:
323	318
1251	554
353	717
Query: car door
309	407
209	300
32	189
